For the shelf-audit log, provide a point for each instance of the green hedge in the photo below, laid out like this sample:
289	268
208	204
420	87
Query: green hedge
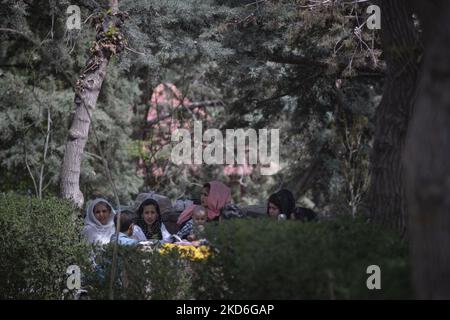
140	275
252	259
39	239
265	259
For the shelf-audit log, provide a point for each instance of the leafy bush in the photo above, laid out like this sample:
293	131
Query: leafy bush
264	259
141	274
39	239
250	259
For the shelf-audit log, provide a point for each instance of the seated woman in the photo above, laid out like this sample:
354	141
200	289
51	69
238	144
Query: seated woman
150	222
281	204
215	195
99	225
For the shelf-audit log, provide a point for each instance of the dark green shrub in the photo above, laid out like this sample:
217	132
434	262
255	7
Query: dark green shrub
265	259
39	239
141	274
252	259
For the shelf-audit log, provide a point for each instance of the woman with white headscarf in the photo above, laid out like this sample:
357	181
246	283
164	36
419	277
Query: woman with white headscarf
99	224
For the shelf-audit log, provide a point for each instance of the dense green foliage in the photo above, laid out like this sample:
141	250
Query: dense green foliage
262	259
140	275
38	70
39	240
313	71
251	259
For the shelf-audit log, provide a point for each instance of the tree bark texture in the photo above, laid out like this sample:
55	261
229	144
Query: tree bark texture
402	50
109	41
428	157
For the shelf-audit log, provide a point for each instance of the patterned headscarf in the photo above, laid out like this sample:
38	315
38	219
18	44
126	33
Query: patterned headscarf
151	231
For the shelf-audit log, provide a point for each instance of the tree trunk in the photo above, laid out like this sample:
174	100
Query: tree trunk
427	159
401	48
109	41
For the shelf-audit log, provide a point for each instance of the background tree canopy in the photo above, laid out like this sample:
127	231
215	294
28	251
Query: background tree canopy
313	71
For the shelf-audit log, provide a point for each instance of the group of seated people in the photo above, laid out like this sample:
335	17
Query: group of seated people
145	223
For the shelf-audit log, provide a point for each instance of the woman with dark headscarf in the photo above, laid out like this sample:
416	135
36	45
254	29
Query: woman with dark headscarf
149	220
281	203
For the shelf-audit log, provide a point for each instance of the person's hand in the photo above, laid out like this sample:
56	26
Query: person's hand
191	237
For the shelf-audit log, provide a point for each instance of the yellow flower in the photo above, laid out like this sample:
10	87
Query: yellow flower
188	252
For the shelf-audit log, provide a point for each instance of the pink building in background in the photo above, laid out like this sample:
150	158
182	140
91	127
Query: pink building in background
165	102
